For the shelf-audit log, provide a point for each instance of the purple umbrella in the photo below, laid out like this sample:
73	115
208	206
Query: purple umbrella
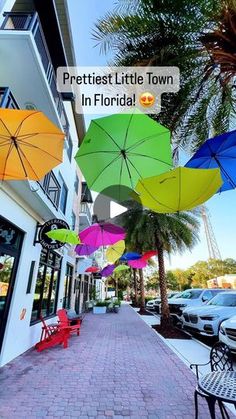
107	270
102	234
85	249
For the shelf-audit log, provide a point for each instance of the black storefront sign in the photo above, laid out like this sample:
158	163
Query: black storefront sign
50	225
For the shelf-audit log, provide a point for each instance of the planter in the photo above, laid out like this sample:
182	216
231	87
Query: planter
116	309
99	310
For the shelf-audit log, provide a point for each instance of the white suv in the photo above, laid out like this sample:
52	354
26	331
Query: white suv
206	319
227	333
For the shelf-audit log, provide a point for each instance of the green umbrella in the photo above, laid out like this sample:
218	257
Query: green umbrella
120	268
122	148
63	235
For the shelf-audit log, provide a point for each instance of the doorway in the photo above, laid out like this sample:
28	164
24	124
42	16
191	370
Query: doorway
10	247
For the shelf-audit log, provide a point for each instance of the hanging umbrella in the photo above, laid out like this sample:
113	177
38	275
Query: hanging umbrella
178	190
218	152
102	234
107	271
31	145
115	251
63	235
130	256
92	269
138	264
122	148
149	254
120	268
85	249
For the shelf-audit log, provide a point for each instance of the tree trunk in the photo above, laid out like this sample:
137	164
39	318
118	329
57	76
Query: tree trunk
142	302
135	287
116	287
165	312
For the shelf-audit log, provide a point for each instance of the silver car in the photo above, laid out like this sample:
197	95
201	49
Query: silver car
206	320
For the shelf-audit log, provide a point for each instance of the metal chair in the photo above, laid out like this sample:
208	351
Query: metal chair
220	360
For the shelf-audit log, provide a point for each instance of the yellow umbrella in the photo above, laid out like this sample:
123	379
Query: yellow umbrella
178	190
115	251
30	145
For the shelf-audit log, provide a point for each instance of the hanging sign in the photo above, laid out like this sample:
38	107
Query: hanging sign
53	224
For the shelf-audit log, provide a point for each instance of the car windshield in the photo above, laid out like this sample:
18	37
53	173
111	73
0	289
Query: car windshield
228	300
191	294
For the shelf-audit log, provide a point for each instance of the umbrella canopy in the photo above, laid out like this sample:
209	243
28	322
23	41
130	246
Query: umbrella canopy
120	268
130	256
218	152
149	254
107	270
92	269
122	148
115	251
63	235
138	264
85	249
31	145
102	234
178	190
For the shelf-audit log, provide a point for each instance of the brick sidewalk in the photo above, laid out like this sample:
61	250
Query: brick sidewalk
118	368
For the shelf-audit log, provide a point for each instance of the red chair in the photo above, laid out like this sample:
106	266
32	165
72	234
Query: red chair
65	322
52	335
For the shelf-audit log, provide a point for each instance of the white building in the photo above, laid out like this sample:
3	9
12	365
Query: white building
34	40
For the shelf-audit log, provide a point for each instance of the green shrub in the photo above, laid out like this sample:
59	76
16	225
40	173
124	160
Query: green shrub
102	303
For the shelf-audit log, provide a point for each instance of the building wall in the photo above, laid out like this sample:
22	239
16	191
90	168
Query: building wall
19	334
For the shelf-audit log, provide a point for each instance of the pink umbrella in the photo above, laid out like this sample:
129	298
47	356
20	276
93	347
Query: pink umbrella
85	249
148	255
107	270
138	264
102	234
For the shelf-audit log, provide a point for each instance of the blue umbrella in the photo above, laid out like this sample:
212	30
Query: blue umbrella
130	256
218	152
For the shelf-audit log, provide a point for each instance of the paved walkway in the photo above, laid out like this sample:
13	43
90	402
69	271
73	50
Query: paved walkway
117	368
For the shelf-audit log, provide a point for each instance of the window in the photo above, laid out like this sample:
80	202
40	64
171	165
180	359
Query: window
76	184
45	296
67	286
69	147
30	278
73	220
223	299
64	193
51	188
207	295
191	294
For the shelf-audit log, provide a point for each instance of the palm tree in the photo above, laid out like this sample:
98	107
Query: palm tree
167	32
166	233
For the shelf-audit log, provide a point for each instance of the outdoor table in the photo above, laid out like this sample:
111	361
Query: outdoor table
220	386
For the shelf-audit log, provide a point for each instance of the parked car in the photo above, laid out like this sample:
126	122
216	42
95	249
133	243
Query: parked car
227	333
172	294
206	320
150	304
191	298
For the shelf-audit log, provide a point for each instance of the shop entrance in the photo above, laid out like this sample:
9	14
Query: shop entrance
10	246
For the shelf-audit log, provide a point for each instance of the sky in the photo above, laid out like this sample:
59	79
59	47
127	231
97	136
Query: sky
222	207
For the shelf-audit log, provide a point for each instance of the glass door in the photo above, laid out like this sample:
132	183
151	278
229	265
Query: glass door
6	273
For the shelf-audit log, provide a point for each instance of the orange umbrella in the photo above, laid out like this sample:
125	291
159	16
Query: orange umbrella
30	145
